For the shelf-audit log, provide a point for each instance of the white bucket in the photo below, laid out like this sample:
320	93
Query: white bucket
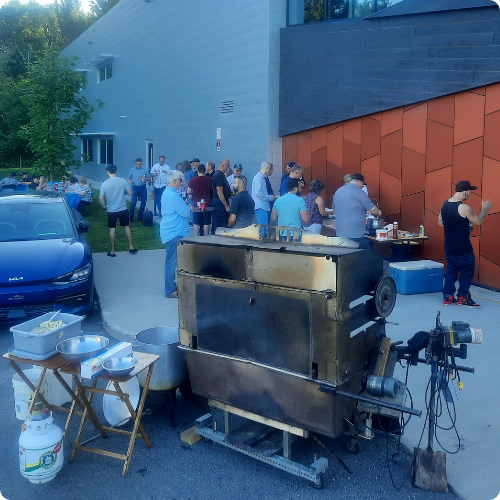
23	394
56	394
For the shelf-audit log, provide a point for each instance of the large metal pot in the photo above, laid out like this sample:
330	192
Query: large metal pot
374	223
170	370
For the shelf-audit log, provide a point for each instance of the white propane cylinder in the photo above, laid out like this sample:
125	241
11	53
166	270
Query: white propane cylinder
41	448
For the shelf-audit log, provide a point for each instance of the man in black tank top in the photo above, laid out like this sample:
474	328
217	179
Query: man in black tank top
457	218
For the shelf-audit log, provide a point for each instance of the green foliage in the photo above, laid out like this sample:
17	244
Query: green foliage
13	115
57	112
99	7
30	37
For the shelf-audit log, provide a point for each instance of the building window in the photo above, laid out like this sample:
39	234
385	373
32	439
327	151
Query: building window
105	72
87	150
312	11
106	151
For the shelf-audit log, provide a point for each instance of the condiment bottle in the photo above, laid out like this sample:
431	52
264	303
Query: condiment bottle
395	231
421	231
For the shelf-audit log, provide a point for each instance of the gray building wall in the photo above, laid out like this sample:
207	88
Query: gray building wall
173	63
334	71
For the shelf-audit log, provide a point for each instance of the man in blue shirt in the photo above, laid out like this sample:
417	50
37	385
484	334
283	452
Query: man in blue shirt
260	194
295	173
174	225
137	178
351	205
290	209
288	168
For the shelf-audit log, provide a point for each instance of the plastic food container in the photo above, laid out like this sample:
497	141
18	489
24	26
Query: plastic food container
45	343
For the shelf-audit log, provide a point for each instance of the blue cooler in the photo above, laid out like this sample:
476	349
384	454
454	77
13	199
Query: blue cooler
418	276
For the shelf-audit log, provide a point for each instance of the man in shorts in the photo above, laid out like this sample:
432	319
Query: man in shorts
115	189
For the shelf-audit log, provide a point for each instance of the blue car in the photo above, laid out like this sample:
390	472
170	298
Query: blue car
45	264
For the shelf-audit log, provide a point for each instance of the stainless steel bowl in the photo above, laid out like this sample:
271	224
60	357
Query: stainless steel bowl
78	349
120	366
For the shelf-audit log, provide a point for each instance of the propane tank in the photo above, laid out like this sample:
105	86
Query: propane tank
41	448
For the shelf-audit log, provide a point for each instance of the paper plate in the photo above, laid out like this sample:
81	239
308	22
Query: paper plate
115	410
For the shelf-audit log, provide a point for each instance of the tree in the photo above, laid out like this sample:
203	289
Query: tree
57	112
99	7
13	115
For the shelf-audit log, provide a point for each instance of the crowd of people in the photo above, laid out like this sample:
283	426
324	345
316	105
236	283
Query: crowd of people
208	198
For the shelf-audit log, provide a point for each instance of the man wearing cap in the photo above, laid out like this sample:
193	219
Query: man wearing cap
159	173
114	189
288	167
137	178
195	162
10	182
351	205
457	218
237	169
174	225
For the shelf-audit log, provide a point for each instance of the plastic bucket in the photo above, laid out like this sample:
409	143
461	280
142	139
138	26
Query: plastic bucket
23	394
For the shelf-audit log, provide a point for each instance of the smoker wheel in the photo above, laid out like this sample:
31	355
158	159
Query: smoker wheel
385	296
352	445
320	484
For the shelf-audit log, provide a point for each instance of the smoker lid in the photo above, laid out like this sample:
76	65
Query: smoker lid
227	241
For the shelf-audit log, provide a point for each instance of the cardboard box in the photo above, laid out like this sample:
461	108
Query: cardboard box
92	366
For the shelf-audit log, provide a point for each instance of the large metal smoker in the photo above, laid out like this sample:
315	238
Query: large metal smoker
265	324
293	335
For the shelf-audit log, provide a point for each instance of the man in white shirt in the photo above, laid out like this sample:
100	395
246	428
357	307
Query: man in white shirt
159	173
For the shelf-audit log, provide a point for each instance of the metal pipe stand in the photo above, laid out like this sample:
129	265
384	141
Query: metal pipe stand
205	427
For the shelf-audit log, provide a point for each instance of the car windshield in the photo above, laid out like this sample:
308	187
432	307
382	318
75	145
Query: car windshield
34	221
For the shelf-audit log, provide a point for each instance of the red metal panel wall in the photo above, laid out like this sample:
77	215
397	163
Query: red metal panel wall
411	158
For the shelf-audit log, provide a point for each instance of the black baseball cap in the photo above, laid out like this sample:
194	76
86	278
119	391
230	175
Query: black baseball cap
24	173
111	169
464	186
13	174
195	160
357	177
290	164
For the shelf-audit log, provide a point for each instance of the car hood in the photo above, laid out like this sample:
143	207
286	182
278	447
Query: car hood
40	260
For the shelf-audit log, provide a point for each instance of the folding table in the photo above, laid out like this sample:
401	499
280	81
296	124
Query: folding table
59	365
145	360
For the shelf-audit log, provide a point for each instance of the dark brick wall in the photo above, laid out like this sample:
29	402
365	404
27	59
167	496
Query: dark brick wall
335	71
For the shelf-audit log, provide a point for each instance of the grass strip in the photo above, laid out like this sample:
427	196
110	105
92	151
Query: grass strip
143	238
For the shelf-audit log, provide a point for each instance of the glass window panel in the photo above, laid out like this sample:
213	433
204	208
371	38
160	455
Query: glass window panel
337	9
311	11
102	74
90	149
109	71
102	151
110	152
314	11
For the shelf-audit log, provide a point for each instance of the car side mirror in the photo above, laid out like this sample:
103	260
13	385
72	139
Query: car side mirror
83	226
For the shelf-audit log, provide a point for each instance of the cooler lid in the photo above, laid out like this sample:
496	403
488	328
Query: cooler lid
416	265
